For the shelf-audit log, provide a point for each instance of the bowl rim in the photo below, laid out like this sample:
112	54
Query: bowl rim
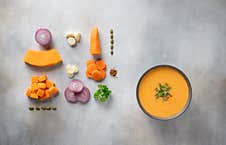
189	87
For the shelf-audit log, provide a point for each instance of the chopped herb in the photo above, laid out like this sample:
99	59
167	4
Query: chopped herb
163	91
102	94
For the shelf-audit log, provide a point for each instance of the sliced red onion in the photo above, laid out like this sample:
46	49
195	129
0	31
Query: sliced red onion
70	96
43	37
83	96
76	86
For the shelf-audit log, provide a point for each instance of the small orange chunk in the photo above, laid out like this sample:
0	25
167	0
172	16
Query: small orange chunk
34	86
40	93
46	96
34	96
34	79
42	78
28	92
41	85
47	93
49	84
53	90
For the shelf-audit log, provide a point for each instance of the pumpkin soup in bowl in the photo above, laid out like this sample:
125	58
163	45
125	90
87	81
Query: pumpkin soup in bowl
164	92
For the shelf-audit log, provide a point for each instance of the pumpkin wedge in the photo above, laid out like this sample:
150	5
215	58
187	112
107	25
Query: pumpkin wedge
42	58
94	42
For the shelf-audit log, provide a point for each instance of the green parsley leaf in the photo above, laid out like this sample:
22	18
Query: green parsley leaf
163	91
102	94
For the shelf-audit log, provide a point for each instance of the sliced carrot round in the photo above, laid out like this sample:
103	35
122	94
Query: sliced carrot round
89	75
91	68
90	61
103	73
96	75
100	64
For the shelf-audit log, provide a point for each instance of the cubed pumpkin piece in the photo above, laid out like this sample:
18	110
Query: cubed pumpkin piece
42	78
34	79
46	96
53	90
34	91
49	84
28	92
34	96
41	85
47	93
40	93
34	86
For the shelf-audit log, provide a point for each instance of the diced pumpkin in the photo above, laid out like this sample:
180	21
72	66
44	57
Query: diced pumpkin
40	93
42	58
42	78
28	91
46	96
34	91
34	79
34	86
47	93
34	96
41	88
49	84
41	85
53	90
94	42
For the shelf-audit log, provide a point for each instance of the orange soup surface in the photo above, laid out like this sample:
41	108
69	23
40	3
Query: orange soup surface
160	108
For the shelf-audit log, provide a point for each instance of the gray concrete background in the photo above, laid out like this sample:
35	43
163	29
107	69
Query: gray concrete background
190	34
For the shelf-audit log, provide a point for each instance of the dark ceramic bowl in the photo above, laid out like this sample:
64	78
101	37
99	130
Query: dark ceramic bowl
188	84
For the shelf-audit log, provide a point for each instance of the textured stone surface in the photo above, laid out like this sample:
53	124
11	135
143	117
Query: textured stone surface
190	34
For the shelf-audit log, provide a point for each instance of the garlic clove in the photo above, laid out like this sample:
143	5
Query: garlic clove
71	41
77	36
